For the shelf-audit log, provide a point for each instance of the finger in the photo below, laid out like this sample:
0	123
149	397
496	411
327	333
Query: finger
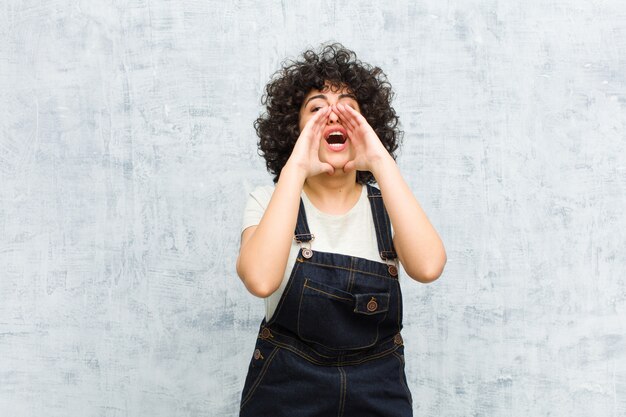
322	114
356	118
318	129
349	166
319	118
346	117
346	122
345	110
355	114
321	122
317	122
327	168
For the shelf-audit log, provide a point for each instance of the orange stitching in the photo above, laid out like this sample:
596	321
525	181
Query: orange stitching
310	359
283	295
388	229
300	308
378	229
257	382
403	376
386	220
351	276
324	292
357	353
355	270
344	386
399	297
299	320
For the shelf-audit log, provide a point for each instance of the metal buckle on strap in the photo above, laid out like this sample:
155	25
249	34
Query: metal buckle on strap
388	254
305	237
304	240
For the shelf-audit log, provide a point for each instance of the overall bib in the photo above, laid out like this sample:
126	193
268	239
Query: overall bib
333	346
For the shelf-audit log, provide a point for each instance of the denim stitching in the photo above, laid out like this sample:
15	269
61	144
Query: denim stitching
324	292
402	376
351	276
284	294
337	363
350	269
389	241
378	208
378	231
381	212
286	345
333	356
384	308
300	310
399	297
302	224
384	244
382	318
257	382
343	385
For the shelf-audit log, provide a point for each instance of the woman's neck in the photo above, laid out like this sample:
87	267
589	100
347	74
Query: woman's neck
333	194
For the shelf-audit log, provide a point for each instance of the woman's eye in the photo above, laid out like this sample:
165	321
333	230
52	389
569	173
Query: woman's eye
316	108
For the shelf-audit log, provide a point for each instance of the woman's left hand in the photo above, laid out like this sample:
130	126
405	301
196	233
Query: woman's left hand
416	241
369	150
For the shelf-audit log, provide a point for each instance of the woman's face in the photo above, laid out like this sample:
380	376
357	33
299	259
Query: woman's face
335	148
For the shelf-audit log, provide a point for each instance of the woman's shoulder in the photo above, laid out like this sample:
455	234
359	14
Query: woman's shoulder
262	194
258	200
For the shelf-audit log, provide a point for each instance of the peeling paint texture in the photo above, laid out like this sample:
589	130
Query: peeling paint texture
127	151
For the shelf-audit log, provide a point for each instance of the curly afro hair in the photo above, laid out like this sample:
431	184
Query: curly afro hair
333	66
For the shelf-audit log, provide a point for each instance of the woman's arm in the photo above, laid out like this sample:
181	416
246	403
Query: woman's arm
417	243
265	248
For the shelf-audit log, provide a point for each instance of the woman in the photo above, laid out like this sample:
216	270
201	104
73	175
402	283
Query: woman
323	249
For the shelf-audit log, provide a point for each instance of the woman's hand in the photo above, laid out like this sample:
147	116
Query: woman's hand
417	243
369	150
305	154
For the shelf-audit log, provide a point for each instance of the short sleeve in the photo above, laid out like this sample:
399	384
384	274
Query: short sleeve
258	201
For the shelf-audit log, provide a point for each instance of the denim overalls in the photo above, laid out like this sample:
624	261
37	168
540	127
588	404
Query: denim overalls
333	346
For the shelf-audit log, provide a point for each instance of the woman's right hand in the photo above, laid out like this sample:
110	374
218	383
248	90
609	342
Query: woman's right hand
265	248
305	154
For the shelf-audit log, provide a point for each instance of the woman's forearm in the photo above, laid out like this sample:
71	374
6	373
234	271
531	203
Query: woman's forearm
265	248
417	243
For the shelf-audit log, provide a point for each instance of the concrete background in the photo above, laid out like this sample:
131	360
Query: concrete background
127	151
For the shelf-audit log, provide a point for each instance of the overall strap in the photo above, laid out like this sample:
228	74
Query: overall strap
302	233
382	224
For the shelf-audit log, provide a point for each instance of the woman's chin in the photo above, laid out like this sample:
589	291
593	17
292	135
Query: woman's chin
337	161
338	169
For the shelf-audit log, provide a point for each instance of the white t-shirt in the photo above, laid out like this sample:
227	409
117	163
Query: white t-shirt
351	233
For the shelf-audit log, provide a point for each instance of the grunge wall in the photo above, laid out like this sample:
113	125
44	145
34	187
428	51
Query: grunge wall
127	151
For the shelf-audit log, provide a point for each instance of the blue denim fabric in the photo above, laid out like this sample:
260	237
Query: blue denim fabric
333	346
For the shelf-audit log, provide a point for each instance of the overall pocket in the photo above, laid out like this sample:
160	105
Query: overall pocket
340	320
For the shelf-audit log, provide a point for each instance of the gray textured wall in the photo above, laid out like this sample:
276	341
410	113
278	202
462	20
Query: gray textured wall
127	150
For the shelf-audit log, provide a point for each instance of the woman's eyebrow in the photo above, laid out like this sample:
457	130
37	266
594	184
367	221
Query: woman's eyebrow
322	96
352	96
314	97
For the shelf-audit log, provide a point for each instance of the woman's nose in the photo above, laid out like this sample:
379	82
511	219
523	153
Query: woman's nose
333	117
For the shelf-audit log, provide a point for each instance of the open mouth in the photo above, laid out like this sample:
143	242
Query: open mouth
336	140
